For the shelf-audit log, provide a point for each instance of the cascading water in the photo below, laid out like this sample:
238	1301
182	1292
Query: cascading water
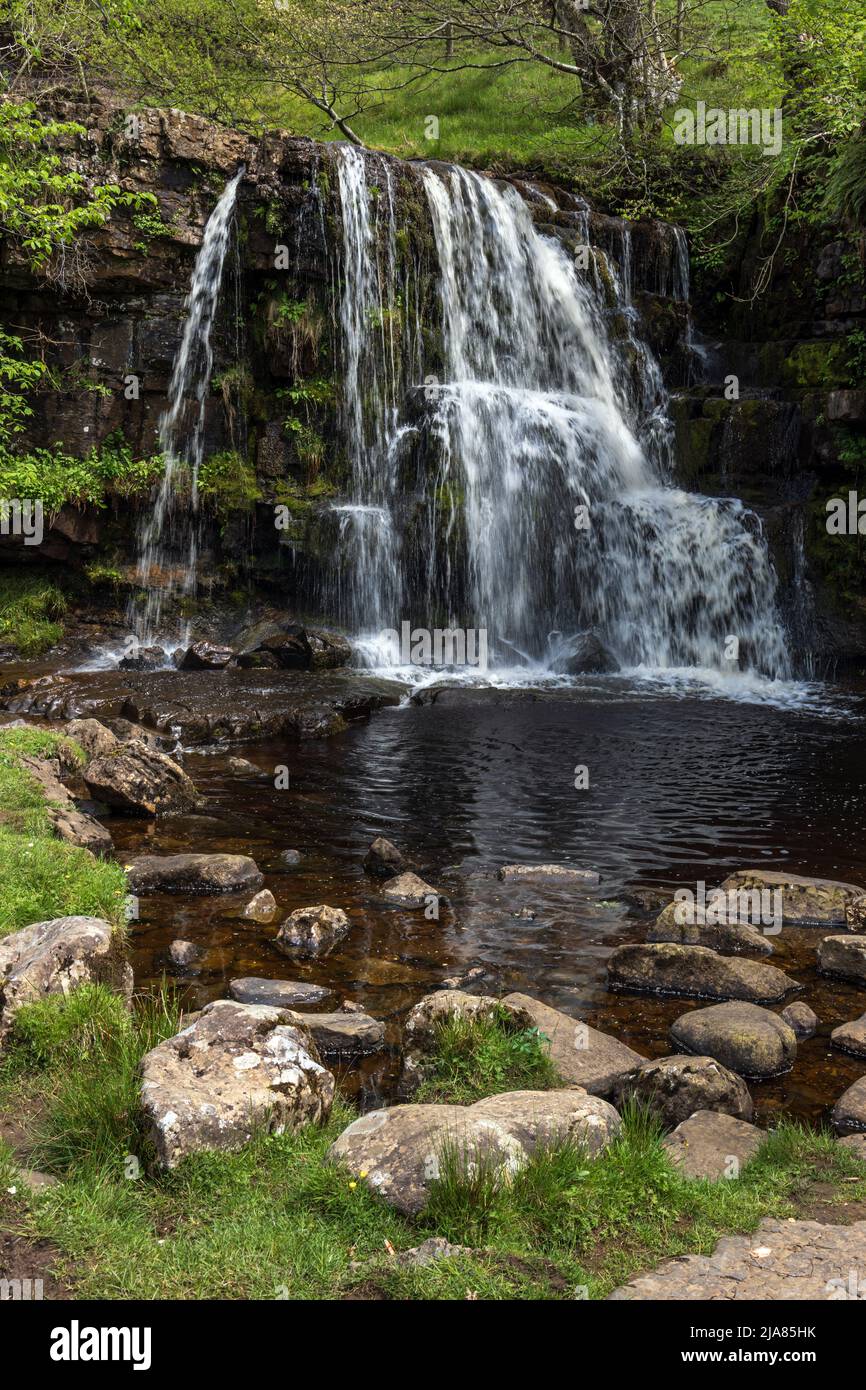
168	536
552	448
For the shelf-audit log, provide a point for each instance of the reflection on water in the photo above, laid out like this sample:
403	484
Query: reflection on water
679	790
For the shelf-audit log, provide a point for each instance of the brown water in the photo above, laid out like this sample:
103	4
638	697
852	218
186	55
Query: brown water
681	789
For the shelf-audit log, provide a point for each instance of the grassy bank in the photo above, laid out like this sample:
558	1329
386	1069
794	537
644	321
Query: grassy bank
277	1221
43	877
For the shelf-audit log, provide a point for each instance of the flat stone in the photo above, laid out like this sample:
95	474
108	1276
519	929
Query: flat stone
712	1145
781	1261
681	923
548	873
855	1144
55	957
312	931
139	780
851	1037
744	1037
344	1033
801	1018
261	908
843	957
235	1069
695	972
583	1056
35	1180
285	994
429	1251
849	1112
192	873
673	1088
806	902
399	1151
408	890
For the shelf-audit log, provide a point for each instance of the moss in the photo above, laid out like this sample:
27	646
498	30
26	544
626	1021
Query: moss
816	363
227	483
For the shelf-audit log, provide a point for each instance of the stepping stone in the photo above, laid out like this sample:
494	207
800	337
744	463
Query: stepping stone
262	908
801	1018
192	873
383	859
673	1088
548	873
714	1146
781	1261
806	902
744	1037
582	1055
352	1033
843	957
280	994
849	1112
408	890
184	953
851	1037
681	923
695	972
312	931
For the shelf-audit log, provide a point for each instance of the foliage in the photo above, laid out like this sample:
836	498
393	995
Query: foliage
227	481
477	1057
31	608
60	479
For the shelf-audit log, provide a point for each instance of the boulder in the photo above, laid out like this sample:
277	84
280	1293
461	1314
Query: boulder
68	823
345	1033
843	957
281	994
136	778
408	890
851	1037
745	1038
192	873
582	1055
328	650
422	1024
204	656
855	1144
548	873
289	647
57	956
696	972
680	923
806	902
184	953
801	1018
92	736
242	767
383	859
399	1152
849	1112
312	931
673	1088
712	1145
236	1069
586	655
261	908
143	659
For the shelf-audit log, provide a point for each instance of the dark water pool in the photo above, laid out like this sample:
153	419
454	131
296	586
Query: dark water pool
680	789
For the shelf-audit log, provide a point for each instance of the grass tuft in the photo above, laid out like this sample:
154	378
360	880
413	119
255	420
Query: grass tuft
478	1057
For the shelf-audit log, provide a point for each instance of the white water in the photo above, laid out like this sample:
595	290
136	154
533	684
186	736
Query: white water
541	410
168	537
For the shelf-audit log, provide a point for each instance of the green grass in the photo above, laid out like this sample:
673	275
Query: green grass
479	1057
31	609
276	1221
43	877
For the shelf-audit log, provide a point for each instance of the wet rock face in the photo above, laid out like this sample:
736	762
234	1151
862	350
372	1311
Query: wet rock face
237	1068
139	780
55	957
192	873
695	972
745	1038
312	931
674	1088
399	1152
204	656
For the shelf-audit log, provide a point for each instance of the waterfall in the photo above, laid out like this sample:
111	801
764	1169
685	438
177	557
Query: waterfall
551	505
168	536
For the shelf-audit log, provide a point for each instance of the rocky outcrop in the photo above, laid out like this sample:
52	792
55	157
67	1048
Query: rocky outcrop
696	972
745	1038
712	1145
67	821
400	1152
673	1088
55	957
843	957
135	778
236	1070
192	873
312	931
806	902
